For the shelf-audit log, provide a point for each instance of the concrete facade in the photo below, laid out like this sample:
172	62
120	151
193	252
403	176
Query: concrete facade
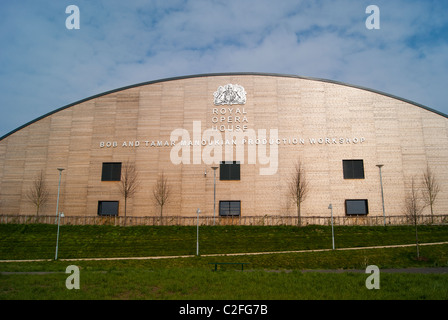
167	125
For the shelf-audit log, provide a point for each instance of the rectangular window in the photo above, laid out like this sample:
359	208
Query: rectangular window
111	171
356	207
108	208
229	170
353	169
229	208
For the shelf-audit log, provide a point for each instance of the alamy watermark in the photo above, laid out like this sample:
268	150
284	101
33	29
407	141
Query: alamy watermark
373	21
72	281
373	281
211	147
73	20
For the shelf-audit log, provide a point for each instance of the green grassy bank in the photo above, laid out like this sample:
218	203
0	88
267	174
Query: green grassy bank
39	241
268	276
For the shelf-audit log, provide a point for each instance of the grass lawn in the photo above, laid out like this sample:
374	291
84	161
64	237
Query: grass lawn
200	284
277	276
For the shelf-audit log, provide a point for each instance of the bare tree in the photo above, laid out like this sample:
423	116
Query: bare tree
298	188
129	183
413	210
38	192
430	190
161	192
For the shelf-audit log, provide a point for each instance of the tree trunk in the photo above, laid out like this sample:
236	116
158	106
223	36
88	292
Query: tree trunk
432	214
125	203
161	217
416	239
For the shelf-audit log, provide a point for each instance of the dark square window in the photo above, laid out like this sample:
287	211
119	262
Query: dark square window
108	208
111	171
353	169
356	207
229	170
229	208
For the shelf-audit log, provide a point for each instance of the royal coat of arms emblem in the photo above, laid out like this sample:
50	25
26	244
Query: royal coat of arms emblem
230	94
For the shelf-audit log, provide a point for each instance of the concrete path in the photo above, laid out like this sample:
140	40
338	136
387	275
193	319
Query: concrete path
229	254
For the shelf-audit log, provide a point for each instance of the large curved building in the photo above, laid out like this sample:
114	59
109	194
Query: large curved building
253	128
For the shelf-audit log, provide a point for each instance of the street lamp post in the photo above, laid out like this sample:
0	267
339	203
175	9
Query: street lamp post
60	215
214	193
59	187
197	232
332	231
382	193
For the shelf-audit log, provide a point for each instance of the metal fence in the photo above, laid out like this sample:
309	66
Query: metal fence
267	220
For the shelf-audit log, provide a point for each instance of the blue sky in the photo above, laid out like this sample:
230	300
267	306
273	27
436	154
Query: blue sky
44	66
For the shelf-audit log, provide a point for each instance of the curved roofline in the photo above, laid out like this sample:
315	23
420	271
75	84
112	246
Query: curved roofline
220	75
